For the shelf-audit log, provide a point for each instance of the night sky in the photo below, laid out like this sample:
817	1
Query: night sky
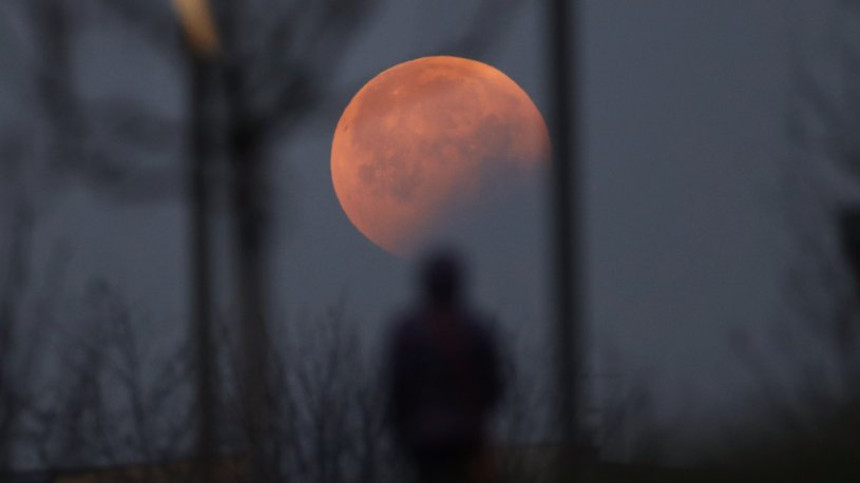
685	104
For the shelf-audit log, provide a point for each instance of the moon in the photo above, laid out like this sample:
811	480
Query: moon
426	142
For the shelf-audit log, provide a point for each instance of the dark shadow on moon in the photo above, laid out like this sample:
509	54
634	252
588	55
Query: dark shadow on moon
503	234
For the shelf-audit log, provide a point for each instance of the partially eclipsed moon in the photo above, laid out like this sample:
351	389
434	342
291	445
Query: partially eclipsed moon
428	139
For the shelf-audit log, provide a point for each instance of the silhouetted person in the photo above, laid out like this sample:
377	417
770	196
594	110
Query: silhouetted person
444	377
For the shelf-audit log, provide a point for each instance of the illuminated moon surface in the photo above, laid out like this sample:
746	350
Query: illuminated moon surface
428	140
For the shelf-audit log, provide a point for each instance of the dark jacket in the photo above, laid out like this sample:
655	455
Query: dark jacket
444	379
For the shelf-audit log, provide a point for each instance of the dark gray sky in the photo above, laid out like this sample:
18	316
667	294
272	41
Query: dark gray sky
684	104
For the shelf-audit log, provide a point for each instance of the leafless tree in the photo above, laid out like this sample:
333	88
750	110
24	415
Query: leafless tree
30	287
119	408
271	76
119	399
328	402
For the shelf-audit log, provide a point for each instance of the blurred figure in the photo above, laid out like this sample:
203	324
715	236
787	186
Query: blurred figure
444	378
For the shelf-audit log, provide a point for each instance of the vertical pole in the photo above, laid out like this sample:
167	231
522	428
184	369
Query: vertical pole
250	247
200	268
202	43
566	225
250	203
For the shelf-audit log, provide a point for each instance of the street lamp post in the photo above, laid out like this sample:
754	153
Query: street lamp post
563	15
202	44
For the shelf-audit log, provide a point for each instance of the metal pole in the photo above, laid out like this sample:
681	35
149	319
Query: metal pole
566	226
202	44
200	267
250	248
250	204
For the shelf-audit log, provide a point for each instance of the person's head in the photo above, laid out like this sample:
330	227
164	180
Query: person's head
442	278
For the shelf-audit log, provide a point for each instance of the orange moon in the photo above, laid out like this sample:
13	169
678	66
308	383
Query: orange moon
427	140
